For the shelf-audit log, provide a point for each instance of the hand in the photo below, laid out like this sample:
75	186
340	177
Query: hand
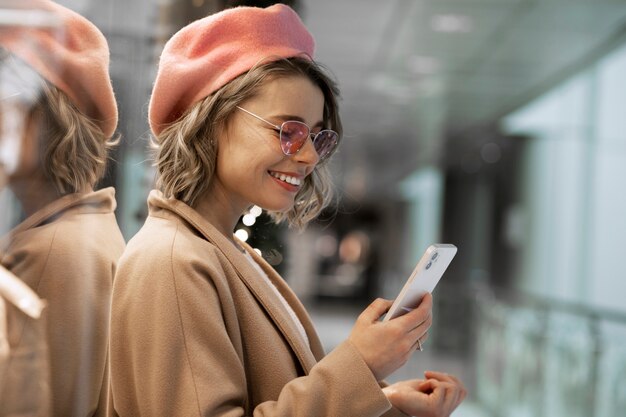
437	396
386	346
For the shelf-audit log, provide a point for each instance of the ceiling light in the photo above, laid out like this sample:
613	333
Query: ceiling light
451	23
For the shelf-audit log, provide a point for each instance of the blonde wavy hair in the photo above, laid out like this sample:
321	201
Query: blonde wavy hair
73	149
186	150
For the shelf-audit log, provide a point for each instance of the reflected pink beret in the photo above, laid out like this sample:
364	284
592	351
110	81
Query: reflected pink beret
73	55
208	53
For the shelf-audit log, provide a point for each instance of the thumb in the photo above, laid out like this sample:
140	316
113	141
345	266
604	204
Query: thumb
376	309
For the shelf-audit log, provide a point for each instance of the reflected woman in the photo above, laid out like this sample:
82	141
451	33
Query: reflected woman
201	325
58	118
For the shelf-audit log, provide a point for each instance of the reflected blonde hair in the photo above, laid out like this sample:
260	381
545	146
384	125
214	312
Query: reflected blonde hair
74	148
186	150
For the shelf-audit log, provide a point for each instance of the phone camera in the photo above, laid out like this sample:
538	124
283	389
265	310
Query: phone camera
432	258
429	265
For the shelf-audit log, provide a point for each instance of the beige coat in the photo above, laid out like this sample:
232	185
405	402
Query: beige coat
25	369
67	252
195	331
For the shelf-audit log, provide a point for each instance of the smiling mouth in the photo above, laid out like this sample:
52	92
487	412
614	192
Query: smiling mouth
286	178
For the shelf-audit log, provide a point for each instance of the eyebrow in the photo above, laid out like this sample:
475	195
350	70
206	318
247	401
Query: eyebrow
287	117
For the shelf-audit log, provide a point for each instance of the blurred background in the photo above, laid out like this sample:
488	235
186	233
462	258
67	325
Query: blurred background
495	125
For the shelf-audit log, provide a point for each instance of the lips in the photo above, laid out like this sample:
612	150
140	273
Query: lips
286	178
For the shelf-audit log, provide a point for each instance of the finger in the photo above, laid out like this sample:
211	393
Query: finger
455	380
423	325
458	391
427	300
418	315
457	394
437	393
417	346
462	394
461	388
414	383
419	342
426	387
458	385
450	397
458	398
421	334
441	376
376	309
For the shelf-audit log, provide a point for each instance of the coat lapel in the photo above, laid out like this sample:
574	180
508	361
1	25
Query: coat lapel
255	284
293	301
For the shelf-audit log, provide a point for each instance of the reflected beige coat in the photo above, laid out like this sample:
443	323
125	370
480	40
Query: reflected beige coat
67	252
196	331
24	370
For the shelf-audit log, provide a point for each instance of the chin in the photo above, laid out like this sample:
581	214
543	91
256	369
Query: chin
277	207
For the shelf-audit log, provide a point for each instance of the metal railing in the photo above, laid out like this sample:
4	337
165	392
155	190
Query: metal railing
542	357
527	356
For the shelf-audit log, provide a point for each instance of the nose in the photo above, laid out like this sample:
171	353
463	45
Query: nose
307	154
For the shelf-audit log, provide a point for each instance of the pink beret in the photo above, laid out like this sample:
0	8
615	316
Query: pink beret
74	57
208	53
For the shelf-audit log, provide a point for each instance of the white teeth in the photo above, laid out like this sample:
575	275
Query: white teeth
286	178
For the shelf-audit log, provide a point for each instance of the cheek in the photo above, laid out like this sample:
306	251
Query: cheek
12	143
238	168
245	155
19	146
248	156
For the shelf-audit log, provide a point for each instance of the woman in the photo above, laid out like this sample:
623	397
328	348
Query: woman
58	117
202	325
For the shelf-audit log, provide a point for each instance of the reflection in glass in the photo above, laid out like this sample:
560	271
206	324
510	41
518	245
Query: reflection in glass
57	117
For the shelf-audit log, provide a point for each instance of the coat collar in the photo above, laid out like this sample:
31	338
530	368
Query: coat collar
101	201
307	355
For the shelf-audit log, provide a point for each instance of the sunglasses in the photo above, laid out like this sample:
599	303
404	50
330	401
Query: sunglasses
293	135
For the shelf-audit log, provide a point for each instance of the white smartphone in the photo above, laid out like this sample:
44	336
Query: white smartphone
424	278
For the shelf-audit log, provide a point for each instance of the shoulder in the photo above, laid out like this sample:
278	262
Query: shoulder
168	271
170	239
28	252
99	240
168	249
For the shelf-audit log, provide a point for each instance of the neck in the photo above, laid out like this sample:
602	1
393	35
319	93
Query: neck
222	212
34	192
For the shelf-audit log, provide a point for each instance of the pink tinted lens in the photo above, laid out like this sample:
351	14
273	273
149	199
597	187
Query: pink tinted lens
293	134
325	143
